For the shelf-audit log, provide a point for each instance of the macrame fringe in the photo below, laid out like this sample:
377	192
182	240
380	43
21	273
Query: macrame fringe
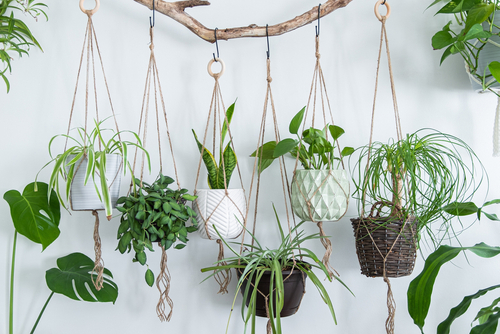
98	263
391	308
163	285
223	278
328	250
496	132
269	328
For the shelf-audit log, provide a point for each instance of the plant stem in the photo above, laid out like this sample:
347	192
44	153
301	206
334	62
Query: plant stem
11	305
41	313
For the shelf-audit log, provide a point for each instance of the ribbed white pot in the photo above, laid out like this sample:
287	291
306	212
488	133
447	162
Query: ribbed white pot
84	197
322	195
216	209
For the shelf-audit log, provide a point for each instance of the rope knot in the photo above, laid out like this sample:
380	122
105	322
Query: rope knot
318	55
269	79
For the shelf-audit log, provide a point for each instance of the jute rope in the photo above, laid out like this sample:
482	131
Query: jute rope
217	108
496	131
153	83
98	263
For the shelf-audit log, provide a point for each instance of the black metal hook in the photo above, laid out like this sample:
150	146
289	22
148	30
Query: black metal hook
216	45
383	3
152	23
267	37
319	15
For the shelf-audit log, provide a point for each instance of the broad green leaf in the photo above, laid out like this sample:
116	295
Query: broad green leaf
141	257
180	246
494	68
296	121
189	197
73	278
336	131
149	277
227	167
209	161
460	309
35	215
285	146
346	151
488	327
461	209
420	289
446	54
442	39
476	31
478	14
265	151
229	115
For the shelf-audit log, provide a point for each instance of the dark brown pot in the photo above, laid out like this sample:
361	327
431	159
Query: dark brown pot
295	287
378	237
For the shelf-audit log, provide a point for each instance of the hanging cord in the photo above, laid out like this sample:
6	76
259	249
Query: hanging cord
496	131
163	285
98	263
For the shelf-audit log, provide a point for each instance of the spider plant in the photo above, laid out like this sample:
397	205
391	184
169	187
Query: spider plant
93	147
418	176
257	260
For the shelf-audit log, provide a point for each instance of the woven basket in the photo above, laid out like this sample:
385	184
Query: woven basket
385	233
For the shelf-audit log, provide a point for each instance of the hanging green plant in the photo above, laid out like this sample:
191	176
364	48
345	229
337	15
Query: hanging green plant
154	214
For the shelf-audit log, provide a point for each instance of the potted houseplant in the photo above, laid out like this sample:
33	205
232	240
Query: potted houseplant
219	206
475	35
154	213
91	157
277	277
404	186
320	191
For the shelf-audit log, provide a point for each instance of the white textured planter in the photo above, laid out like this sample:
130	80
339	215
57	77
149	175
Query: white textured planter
84	197
226	213
322	195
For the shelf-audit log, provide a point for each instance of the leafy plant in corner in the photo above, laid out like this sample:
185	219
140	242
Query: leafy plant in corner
93	148
219	174
473	31
420	289
257	261
15	36
36	215
154	213
316	146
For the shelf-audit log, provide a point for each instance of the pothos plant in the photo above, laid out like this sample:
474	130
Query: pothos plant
468	36
315	148
15	36
94	147
154	213
219	173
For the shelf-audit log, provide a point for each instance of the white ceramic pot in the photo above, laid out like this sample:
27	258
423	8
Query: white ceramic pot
322	195
216	209
84	197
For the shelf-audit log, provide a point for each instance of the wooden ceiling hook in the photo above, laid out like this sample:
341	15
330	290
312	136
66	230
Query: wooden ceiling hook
90	12
377	13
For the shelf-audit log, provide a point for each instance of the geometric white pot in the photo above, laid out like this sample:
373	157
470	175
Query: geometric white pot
84	197
322	195
216	209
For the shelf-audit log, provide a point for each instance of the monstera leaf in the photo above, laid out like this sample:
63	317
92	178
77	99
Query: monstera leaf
35	215
73	278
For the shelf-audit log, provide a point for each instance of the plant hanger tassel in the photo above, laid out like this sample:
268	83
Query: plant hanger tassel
90	45
220	210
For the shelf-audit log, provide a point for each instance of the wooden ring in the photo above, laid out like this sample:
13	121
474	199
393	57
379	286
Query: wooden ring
209	67
377	13
90	11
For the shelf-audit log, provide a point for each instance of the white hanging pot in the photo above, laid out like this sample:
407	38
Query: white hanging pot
489	53
320	195
226	212
84	197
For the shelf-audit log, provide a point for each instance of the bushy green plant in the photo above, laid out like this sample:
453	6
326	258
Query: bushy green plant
154	213
316	146
257	260
94	147
219	174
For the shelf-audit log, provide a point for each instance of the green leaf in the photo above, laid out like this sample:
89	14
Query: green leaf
461	209
73	278
336	131
420	289
180	246
209	161
494	68
150	277
285	146
478	14
228	167
189	197
446	54
229	115
491	216
141	257
476	31
296	121
495	201
346	151
442	39
35	215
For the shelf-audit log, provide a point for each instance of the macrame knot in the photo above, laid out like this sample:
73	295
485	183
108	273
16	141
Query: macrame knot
269	79
318	55
98	263
223	278
151	46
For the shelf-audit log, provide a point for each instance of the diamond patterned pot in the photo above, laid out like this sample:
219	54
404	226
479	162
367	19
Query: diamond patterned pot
226	212
320	195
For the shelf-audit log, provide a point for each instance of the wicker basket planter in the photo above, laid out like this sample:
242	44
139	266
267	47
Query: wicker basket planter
377	238
84	197
226	213
294	290
320	195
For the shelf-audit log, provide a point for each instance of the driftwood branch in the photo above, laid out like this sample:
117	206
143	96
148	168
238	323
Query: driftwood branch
176	11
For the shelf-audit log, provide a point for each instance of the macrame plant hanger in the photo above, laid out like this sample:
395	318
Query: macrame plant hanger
211	220
269	101
90	45
391	304
338	180
153	83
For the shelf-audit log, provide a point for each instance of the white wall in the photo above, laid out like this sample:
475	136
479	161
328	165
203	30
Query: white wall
38	107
